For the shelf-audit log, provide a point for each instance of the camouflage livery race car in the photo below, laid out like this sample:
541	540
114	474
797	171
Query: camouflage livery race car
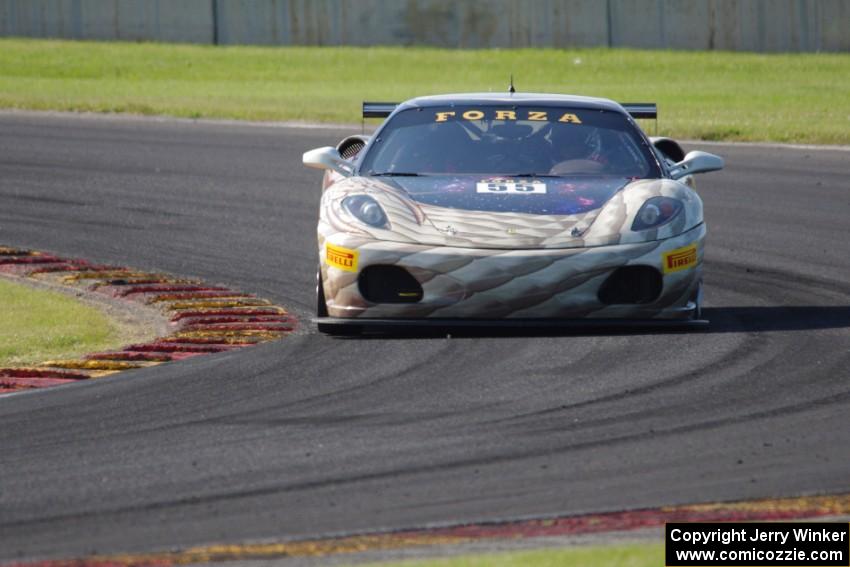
488	209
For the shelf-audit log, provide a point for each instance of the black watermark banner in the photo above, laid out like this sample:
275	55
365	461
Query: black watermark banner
811	544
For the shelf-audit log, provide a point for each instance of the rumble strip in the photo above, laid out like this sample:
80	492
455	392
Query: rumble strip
612	522
203	318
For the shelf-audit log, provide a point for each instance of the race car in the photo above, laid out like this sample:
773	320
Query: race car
509	209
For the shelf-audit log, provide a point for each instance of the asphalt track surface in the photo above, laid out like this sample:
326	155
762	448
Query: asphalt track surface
314	435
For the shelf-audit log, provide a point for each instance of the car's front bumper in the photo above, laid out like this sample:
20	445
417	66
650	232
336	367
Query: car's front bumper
496	284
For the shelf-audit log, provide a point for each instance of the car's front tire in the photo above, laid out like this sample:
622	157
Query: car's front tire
697	299
321	306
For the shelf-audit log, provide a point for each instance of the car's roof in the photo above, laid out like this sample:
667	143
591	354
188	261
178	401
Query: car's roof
537	99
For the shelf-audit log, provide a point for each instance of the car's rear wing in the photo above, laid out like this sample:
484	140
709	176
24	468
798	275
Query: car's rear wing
636	109
641	109
378	109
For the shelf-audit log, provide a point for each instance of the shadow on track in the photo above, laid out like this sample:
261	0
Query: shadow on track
776	318
722	320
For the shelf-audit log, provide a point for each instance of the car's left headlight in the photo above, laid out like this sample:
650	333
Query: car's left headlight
656	212
367	210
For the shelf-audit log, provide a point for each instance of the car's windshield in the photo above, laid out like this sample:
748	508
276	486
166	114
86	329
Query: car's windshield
511	141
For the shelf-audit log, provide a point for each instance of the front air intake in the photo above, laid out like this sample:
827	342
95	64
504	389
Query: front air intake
631	284
388	284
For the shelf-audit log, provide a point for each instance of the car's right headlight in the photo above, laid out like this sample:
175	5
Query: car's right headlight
367	210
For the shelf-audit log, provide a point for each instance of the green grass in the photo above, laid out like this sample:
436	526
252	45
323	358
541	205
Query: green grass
707	95
37	325
634	555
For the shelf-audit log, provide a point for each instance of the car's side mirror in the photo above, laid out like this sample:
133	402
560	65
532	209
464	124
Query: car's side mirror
328	158
696	162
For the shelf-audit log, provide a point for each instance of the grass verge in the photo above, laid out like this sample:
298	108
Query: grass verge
633	555
706	95
37	325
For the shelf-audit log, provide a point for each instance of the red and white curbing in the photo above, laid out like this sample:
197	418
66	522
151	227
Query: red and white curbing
204	318
620	523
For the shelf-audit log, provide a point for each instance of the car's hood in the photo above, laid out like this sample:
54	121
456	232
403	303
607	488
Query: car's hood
481	212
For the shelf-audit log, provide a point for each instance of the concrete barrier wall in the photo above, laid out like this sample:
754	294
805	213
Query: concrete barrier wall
154	20
749	25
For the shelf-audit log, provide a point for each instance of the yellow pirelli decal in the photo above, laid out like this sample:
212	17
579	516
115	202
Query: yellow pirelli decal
679	259
342	258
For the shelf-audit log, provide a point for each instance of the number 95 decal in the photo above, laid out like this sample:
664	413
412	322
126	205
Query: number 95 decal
500	187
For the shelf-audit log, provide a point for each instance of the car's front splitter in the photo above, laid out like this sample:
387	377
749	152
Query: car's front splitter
530	326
